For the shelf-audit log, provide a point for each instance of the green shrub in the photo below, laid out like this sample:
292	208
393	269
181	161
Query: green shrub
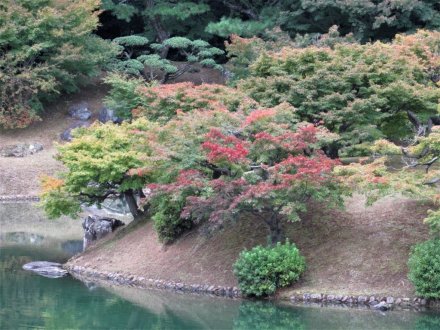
262	270
124	94
166	216
424	268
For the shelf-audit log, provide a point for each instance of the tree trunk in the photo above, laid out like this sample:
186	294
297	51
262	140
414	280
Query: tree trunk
275	228
164	52
165	78
177	74
156	23
132	204
421	128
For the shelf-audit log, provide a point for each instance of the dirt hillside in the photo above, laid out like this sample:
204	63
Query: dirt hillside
20	176
356	251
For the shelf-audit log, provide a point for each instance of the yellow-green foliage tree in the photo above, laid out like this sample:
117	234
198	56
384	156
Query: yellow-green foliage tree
46	47
98	163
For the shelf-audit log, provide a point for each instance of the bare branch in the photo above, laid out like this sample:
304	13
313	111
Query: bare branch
100	198
432	181
223	171
427	164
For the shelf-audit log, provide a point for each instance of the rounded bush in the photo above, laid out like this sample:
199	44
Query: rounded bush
262	270
166	217
424	268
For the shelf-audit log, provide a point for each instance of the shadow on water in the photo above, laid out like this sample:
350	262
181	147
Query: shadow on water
72	247
31	301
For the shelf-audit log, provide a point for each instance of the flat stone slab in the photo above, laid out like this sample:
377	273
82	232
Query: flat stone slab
46	269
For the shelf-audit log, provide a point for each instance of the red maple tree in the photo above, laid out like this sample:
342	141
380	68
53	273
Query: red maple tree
270	174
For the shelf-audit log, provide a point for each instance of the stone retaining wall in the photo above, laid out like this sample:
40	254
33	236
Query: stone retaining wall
84	273
378	302
386	303
19	198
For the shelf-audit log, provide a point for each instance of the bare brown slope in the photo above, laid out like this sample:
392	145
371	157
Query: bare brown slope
20	176
360	250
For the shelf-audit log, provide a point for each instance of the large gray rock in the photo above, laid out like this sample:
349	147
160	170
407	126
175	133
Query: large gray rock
108	115
80	111
46	269
67	134
20	149
96	228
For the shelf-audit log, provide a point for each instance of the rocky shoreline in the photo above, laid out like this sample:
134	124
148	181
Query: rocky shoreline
366	301
89	274
381	303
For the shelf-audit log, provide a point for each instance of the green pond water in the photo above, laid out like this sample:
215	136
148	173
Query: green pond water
29	301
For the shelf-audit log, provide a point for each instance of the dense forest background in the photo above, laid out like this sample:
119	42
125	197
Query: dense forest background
48	47
215	20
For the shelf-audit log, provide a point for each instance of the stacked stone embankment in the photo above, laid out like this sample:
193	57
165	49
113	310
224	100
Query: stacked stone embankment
85	273
382	303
